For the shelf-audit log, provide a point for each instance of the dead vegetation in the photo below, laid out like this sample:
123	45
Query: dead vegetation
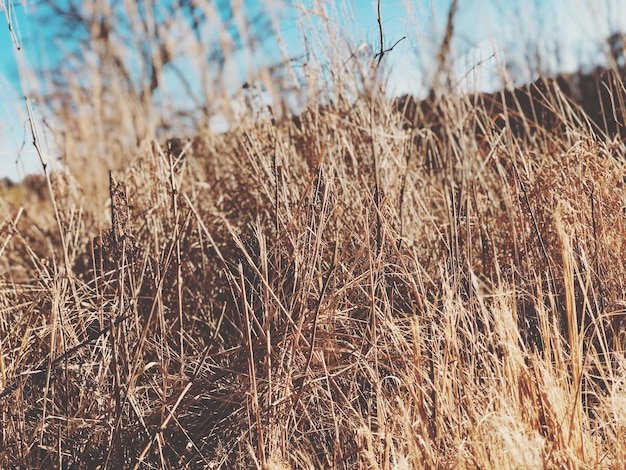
333	291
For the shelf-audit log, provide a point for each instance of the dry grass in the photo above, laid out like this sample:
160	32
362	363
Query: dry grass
333	291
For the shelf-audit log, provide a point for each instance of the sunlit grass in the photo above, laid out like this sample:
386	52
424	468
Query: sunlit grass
353	288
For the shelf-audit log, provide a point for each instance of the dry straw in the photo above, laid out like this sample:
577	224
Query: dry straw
357	286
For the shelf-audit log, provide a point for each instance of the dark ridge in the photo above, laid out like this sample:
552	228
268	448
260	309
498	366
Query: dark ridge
6	183
543	105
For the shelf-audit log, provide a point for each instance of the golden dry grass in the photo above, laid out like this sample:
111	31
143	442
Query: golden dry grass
336	291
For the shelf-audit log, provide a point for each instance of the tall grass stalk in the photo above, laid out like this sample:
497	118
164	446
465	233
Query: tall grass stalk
358	285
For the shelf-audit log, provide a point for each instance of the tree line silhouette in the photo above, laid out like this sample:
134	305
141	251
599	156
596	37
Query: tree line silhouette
593	99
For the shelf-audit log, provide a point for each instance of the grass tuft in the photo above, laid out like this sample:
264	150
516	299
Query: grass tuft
369	283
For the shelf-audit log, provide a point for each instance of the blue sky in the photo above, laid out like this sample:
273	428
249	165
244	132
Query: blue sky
489	33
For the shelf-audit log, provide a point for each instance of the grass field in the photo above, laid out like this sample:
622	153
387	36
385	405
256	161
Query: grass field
374	283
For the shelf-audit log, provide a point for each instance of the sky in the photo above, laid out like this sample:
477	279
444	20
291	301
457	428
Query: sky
489	35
